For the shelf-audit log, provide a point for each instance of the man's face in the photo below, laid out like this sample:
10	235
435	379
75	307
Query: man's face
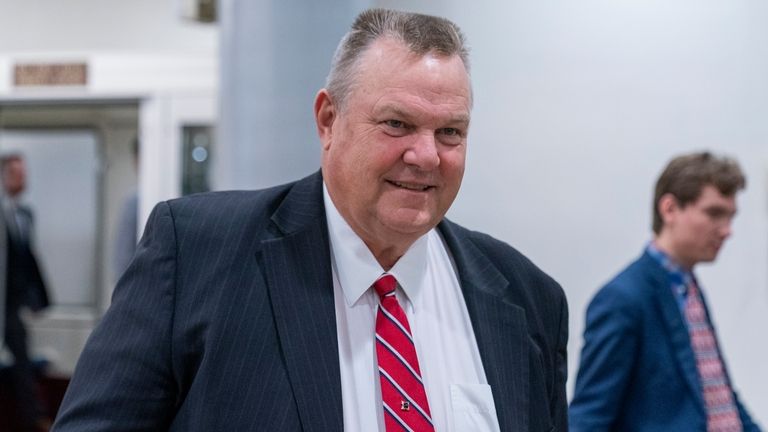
393	157
14	177
698	230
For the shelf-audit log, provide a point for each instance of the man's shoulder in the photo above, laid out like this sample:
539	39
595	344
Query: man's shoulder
505	257
233	203
634	282
227	203
494	248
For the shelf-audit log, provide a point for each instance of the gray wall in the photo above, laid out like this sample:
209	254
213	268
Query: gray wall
275	56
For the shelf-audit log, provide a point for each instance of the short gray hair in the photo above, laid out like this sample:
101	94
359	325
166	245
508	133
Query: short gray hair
422	34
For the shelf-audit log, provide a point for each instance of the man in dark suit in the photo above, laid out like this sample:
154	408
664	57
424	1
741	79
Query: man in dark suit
343	301
651	360
23	286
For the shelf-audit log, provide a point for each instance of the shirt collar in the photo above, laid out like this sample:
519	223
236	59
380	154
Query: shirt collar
678	275
357	268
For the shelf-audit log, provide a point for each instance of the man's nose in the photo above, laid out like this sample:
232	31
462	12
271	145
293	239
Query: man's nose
423	152
725	229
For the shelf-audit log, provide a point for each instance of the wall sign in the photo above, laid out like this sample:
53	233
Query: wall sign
50	74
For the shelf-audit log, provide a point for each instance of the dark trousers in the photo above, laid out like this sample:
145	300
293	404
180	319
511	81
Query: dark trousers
22	374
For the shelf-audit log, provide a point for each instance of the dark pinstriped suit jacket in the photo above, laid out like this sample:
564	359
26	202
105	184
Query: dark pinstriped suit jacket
225	321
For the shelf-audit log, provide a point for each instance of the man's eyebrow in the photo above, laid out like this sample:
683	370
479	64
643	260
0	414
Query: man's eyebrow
393	110
720	209
462	118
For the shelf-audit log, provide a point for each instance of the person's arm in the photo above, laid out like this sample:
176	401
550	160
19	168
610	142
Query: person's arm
35	295
124	379
606	364
559	400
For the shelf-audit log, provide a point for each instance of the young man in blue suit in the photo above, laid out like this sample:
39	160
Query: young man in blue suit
343	301
651	360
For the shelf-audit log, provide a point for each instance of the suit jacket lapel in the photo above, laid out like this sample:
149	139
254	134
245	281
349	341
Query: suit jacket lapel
676	328
298	274
500	329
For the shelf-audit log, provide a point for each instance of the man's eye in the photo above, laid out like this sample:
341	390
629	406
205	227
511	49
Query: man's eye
717	214
450	136
397	124
450	131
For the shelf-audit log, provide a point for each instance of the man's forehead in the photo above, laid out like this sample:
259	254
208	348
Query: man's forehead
391	50
11	163
710	195
389	63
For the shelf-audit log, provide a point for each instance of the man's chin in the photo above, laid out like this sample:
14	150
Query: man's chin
415	227
709	258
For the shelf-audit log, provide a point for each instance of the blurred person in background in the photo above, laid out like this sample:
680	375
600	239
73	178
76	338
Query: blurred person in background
651	360
21	286
126	232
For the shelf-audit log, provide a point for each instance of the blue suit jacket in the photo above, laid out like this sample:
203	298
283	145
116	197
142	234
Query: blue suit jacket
225	321
637	369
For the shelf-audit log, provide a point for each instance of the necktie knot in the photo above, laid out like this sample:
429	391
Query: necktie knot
692	290
385	285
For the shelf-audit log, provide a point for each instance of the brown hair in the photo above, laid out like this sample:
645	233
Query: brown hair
422	34
685	176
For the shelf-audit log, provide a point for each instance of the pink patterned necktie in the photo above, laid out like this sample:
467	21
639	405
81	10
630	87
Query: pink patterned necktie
402	389
722	415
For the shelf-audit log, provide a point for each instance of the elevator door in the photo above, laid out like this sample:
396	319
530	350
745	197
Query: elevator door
62	190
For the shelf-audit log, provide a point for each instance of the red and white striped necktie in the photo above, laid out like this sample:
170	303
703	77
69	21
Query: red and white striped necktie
722	415
402	389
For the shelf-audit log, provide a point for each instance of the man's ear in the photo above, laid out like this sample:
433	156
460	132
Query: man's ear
668	207
325	115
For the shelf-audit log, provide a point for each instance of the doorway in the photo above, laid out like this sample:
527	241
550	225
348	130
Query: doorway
80	169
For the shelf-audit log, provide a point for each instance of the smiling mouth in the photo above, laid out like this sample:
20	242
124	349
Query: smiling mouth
410	186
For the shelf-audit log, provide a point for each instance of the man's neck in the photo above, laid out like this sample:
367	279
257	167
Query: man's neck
664	244
387	257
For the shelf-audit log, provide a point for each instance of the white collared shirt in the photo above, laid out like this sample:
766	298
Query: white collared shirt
457	390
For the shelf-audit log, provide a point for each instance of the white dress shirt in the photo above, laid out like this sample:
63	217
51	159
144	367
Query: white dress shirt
459	396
